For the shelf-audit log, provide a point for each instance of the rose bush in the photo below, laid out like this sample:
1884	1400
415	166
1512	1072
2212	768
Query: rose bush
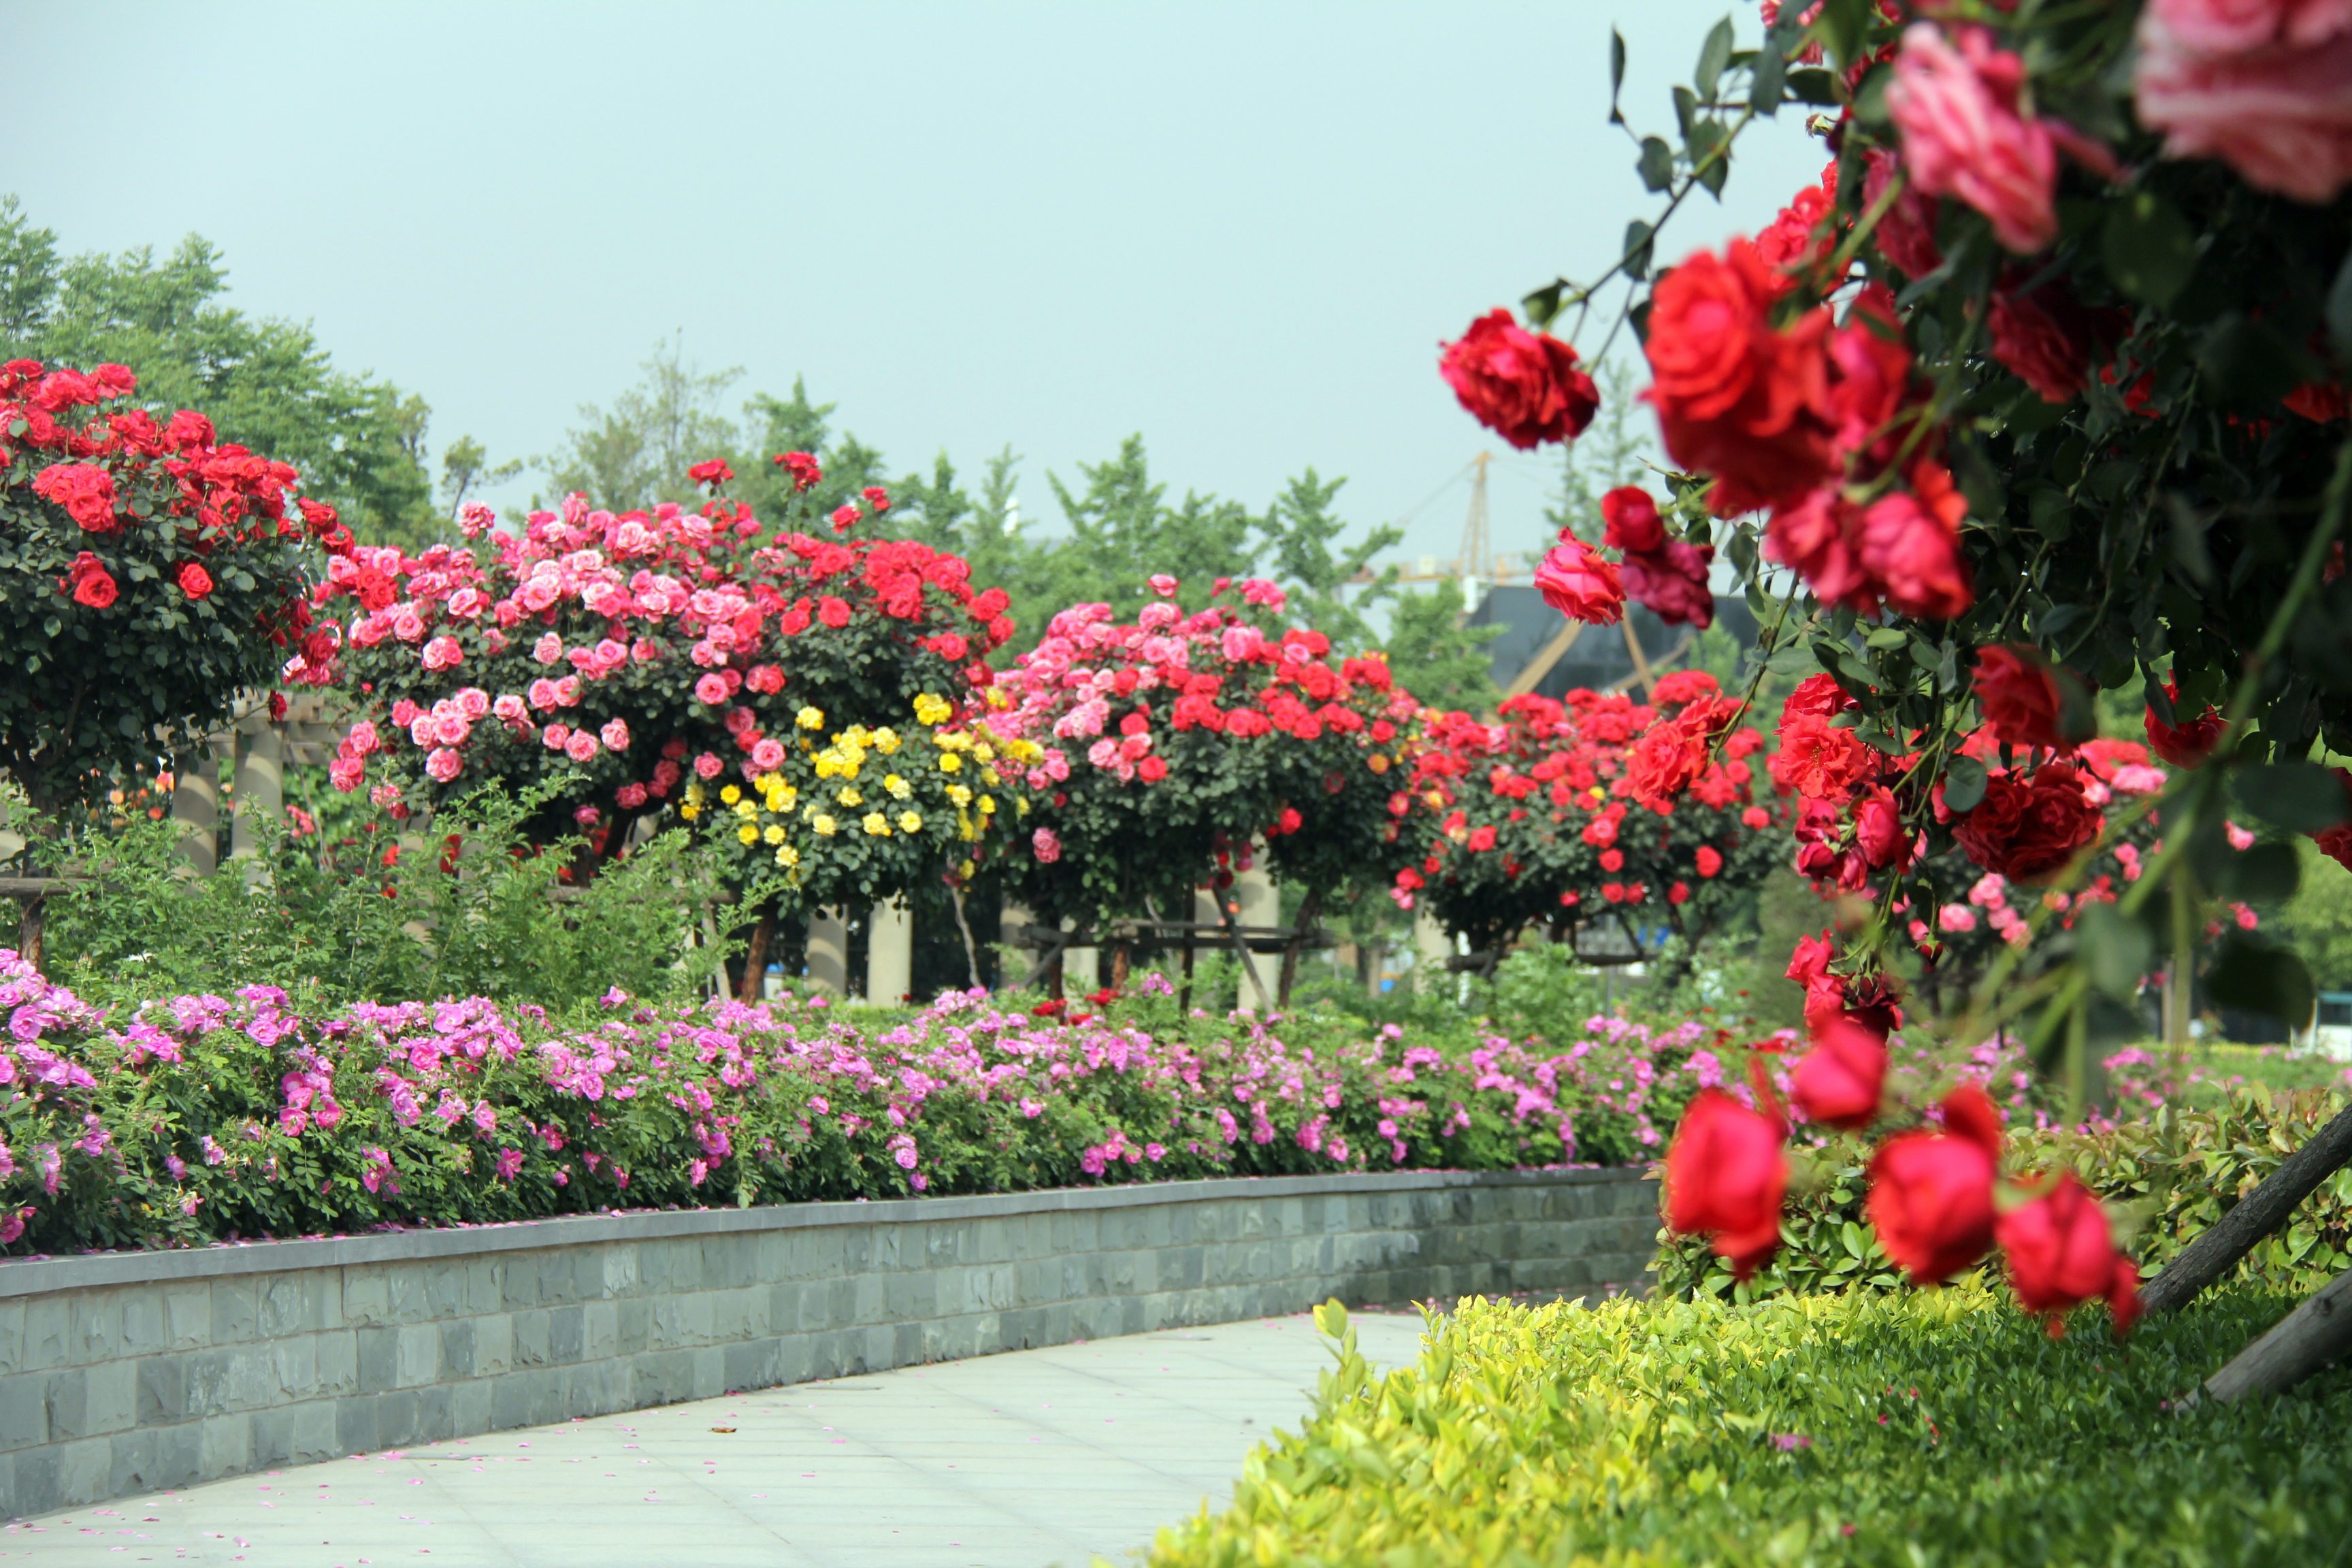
149	573
2039	392
1598	810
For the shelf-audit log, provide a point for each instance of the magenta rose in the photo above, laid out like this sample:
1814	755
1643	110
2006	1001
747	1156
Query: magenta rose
2263	85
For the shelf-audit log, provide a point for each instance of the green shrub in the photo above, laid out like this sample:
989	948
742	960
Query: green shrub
489	917
1933	1427
2176	1172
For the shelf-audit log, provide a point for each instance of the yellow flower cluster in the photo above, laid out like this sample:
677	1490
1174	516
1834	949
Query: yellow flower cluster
839	790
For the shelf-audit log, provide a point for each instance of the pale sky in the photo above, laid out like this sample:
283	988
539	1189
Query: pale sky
1241	230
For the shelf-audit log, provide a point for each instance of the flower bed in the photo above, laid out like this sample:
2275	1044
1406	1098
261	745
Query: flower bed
201	1117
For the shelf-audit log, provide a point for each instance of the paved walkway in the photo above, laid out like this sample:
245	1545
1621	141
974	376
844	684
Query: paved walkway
1022	1461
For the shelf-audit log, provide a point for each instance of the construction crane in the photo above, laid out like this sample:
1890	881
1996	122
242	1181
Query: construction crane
1477	566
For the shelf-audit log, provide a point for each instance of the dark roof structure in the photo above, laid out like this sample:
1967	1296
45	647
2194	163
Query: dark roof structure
1598	659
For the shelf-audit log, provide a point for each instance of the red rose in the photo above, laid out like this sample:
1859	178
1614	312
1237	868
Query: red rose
1821	538
1905	233
2060	1254
1911	546
1710	860
2019	697
1524	386
84	490
195	581
2184	745
2043	336
1151	770
1878	835
833	612
1724	1178
1482	838
1737	398
1931	1193
1870	376
713	473
2337	842
1664	763
1840	1081
1631	521
2025	831
1673	584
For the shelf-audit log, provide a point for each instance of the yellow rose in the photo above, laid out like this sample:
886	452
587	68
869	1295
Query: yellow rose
988	805
767	784
1380	763
910	822
787	856
958	795
775	833
932	710
748	834
1020	806
950	762
991	776
690	811
694	793
811	718
747	808
886	740
850	797
877	825
982	751
825	824
900	788
731	794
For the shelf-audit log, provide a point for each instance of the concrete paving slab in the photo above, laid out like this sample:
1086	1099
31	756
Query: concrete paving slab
1020	1461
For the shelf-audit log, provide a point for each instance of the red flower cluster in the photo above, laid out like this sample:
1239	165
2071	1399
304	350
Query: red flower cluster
1786	415
1524	386
1664	573
2029	827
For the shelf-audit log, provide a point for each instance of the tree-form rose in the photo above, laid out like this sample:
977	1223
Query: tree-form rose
1931	1192
1736	396
2019	696
1963	137
1575	580
1725	1177
2263	85
2061	1253
1840	1081
1524	386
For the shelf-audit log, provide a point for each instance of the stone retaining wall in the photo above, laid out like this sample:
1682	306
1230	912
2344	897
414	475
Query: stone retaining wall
137	1371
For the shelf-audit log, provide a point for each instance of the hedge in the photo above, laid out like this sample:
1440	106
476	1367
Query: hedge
1921	1429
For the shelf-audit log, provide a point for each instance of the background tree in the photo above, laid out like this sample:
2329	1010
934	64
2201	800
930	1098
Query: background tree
265	383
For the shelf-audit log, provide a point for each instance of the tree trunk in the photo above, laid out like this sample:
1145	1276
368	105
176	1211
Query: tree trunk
1120	961
755	958
2303	1341
2258	1213
28	927
1309	908
1241	951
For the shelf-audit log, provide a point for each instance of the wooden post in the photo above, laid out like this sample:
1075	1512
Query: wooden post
755	958
890	954
260	782
1431	949
828	952
195	801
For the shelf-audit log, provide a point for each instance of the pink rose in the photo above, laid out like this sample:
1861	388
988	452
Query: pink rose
630	797
548	649
708	766
768	756
711	688
1911	546
473	702
615	735
406	625
444	763
555	736
1047	845
2263	85
508	708
1963	137
1579	584
580	747
543	693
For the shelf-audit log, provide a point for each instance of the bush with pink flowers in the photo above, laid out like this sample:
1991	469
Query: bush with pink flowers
639	662
195	1117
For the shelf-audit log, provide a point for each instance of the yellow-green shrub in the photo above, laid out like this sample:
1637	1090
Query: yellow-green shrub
1926	1428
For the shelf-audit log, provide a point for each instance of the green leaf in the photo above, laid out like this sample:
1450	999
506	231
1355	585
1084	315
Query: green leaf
2251	364
1713	56
2262	979
2148	248
2302	797
1965	781
2339	311
2263	874
1710	160
1656	165
2115	952
1637	249
1686	110
1814	86
1616	64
